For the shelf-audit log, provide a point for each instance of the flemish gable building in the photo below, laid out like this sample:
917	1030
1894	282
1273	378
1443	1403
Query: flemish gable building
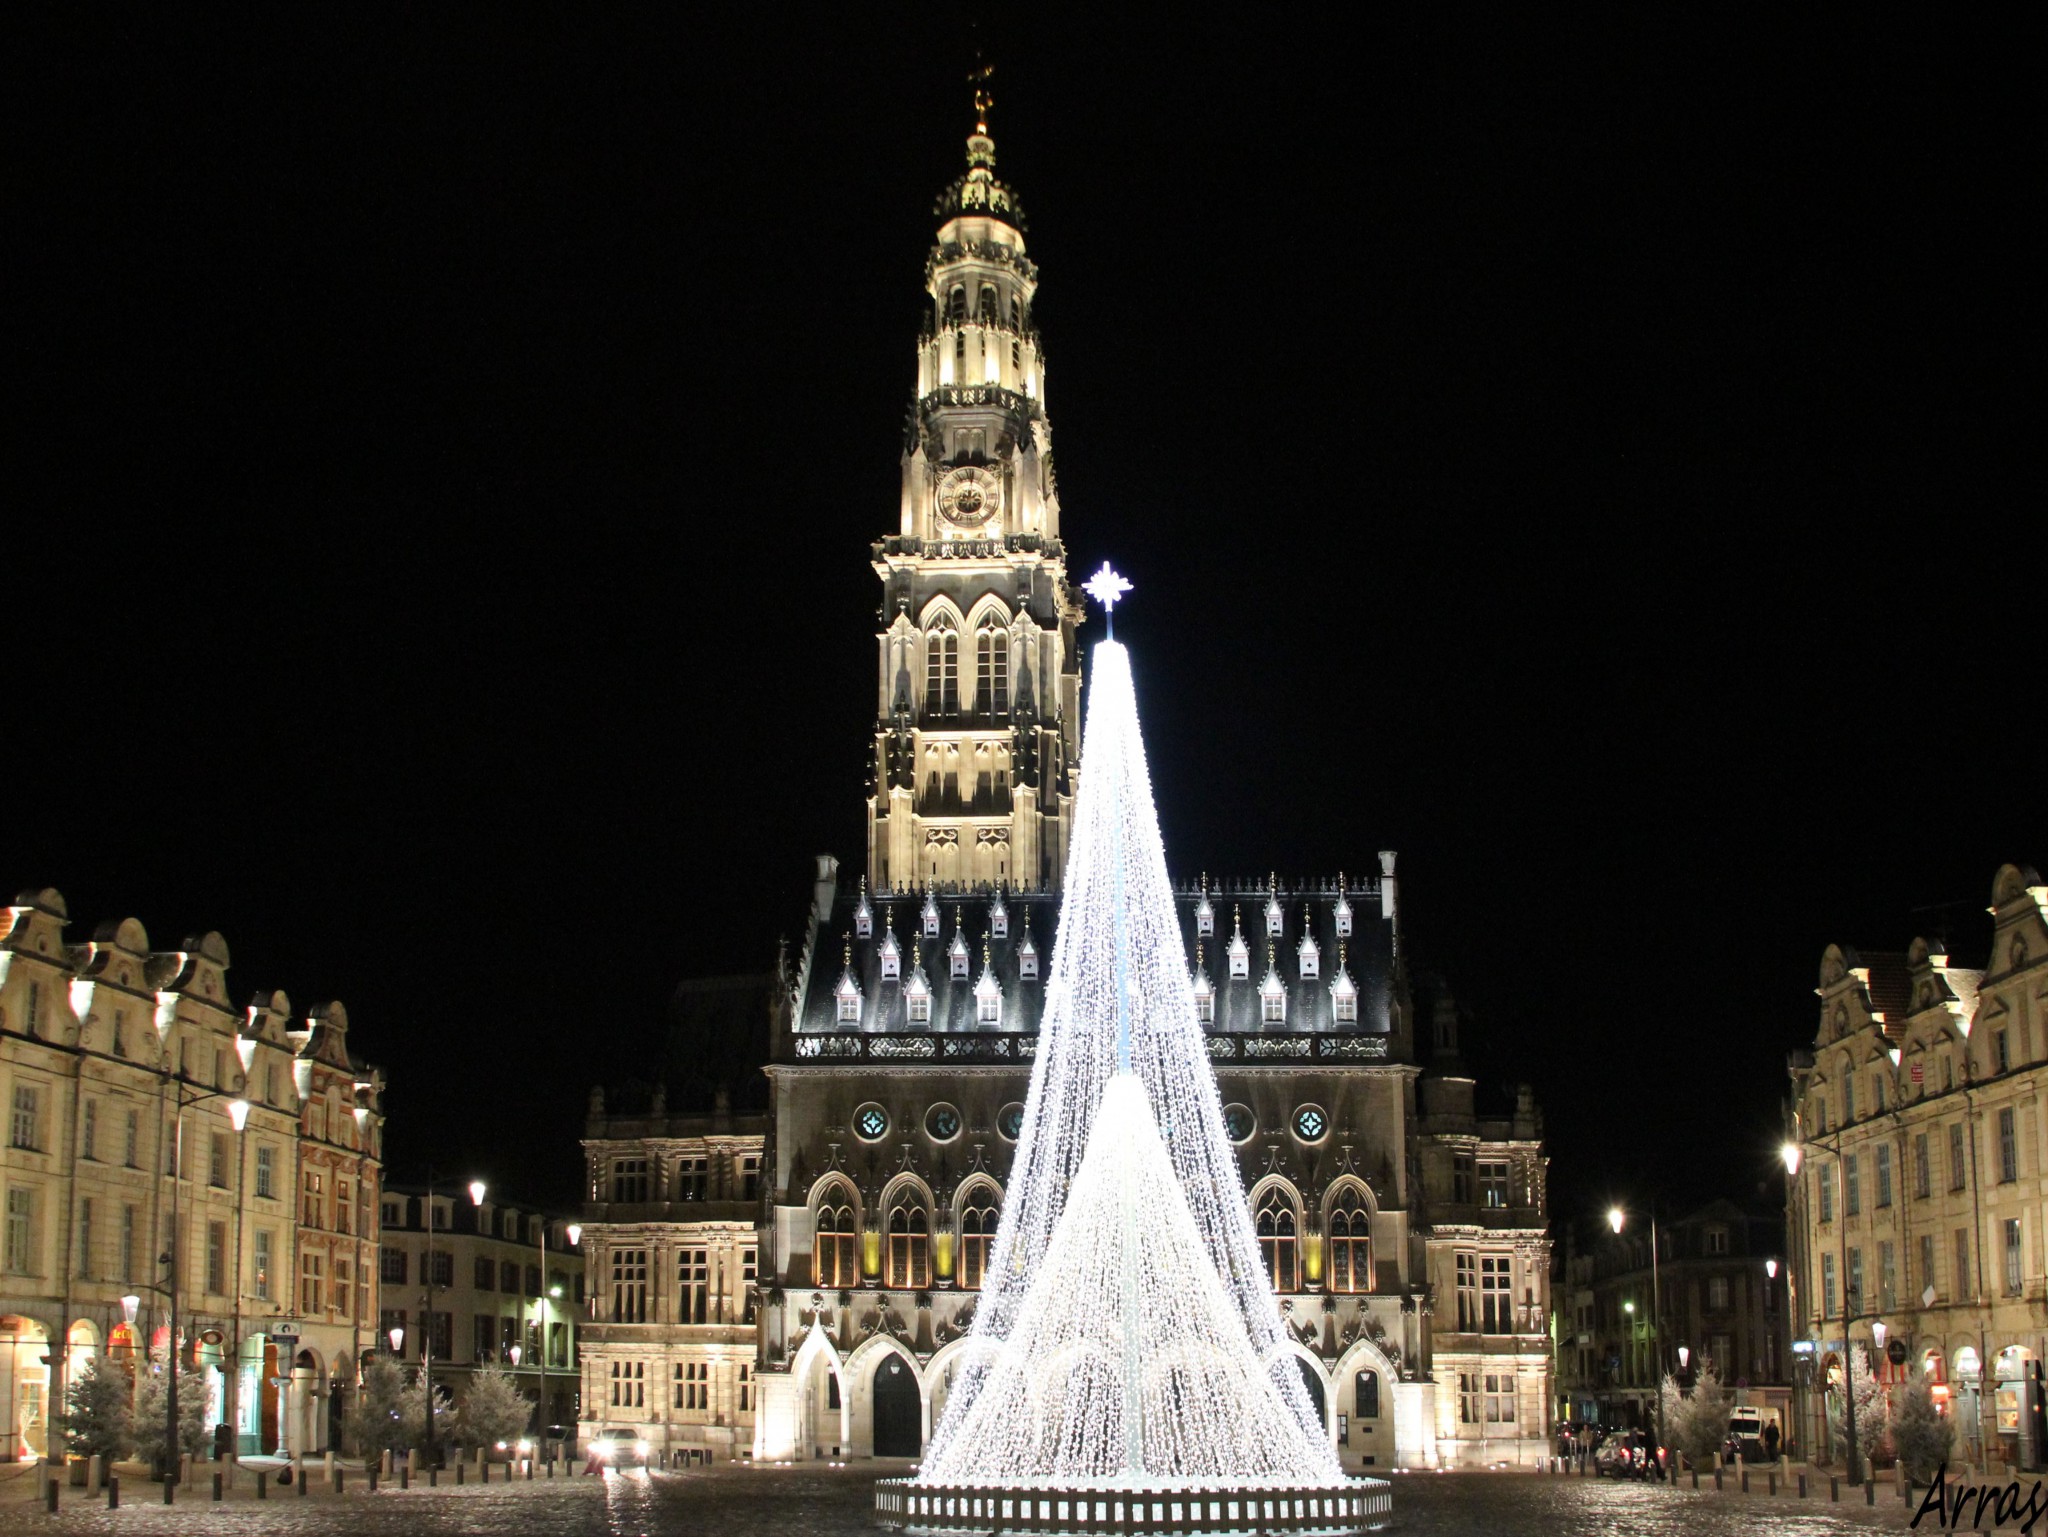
1917	1203
1402	1223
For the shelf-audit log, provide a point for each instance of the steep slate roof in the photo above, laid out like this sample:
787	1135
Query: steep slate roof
1369	958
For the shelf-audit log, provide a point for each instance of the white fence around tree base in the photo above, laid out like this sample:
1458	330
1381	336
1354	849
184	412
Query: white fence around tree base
1363	1505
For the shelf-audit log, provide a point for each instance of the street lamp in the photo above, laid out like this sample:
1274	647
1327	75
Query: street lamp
1790	1153
476	1197
238	1117
1771	1269
396	1335
1617	1219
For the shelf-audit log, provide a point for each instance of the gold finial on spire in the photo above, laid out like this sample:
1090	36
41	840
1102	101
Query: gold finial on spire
984	98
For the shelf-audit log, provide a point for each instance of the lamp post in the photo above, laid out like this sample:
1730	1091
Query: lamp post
1617	1219
238	1117
476	1198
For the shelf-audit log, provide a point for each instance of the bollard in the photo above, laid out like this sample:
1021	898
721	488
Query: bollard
113	1491
459	1466
1717	1475
1905	1489
529	1469
433	1477
299	1477
98	1474
50	1495
334	1476
1695	1478
1770	1483
218	1492
551	1464
1869	1491
486	1471
1743	1474
1834	1489
405	1475
1802	1486
262	1483
373	1478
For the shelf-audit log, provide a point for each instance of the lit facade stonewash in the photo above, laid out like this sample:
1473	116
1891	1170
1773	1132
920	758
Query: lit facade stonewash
1921	1158
1401	1214
274	1225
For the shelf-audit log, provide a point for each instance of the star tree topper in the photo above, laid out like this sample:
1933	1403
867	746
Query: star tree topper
1106	587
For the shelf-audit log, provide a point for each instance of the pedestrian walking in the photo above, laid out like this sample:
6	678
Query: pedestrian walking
1771	1442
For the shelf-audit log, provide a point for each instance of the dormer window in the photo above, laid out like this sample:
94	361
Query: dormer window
1343	917
1273	1001
957	953
920	1007
848	996
999	920
1205	918
1240	955
988	996
1276	919
864	919
1205	993
892	958
1344	1000
1027	960
1311	958
930	916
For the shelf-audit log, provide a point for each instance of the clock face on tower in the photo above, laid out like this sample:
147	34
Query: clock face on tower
969	497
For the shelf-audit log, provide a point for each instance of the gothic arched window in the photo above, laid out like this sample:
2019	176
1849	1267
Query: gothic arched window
991	307
1350	1243
977	1233
1277	1233
909	1247
835	1247
992	666
942	668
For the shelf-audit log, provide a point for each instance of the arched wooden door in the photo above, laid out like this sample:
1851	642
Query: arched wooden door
899	1416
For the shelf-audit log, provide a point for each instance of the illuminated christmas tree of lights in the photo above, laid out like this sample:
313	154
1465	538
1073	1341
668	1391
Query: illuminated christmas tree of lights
1126	1333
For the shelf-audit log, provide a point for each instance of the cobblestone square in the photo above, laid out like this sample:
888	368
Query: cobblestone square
817	1501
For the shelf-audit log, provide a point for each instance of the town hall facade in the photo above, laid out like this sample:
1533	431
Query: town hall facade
797	1286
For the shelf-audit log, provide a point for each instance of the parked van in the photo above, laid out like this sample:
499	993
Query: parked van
1746	1431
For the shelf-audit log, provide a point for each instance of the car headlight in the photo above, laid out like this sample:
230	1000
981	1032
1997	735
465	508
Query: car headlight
640	1447
524	1446
601	1452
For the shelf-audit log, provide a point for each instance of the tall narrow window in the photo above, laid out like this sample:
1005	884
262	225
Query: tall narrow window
2012	1256
834	1248
1277	1236
88	1135
909	1248
1922	1179
85	1239
2008	1148
977	1233
1827	1285
1884	1175
693	1286
28	1116
1966	1283
629	1286
942	668
1852	1185
1958	1158
265	1241
1350	1243
1496	1296
992	666
1468	1293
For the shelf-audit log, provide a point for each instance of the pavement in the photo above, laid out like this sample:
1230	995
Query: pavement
817	1500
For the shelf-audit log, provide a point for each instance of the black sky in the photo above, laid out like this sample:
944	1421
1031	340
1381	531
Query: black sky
1594	454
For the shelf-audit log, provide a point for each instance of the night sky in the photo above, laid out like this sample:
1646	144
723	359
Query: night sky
1594	456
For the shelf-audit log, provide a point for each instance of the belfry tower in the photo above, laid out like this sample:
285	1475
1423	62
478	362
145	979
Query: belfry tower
979	686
